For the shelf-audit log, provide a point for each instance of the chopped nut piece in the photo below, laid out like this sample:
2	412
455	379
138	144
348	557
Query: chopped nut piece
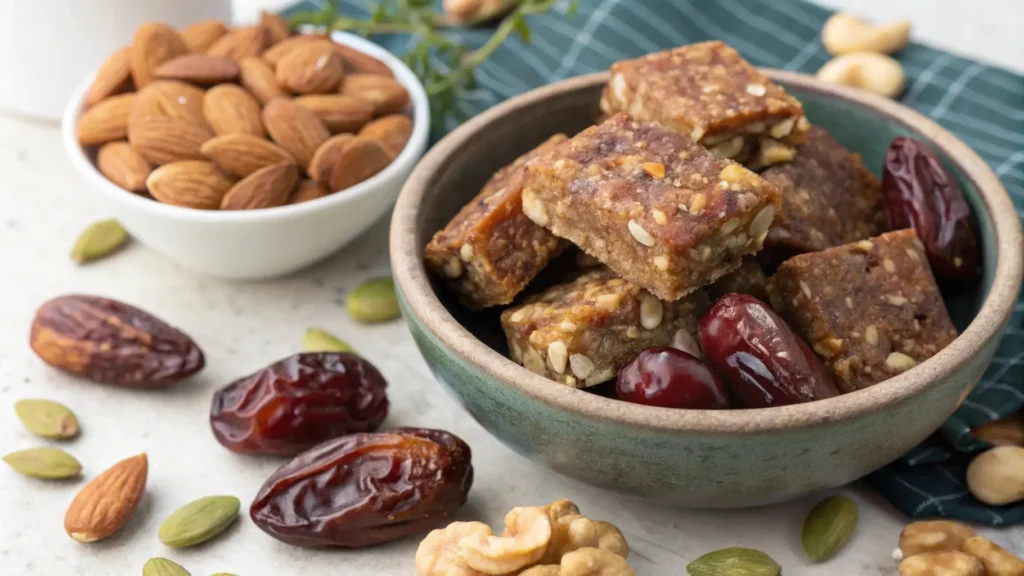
651	312
641	235
889	265
581	365
871	335
655	169
557	356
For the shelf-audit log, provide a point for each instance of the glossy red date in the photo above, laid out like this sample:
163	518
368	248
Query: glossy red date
761	360
299	402
671	378
921	194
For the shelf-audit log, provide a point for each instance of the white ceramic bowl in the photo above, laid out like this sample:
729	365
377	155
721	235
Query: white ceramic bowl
260	243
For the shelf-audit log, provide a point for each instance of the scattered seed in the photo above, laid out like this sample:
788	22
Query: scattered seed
47	418
373	301
317	340
98	240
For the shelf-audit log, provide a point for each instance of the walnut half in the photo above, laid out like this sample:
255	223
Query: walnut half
585	562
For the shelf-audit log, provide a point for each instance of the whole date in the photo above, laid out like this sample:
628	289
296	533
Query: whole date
364	489
921	194
762	361
299	402
670	378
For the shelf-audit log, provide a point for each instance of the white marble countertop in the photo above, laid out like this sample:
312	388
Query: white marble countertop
242	326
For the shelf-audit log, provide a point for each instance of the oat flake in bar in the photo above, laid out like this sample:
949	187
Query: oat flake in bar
708	92
582	332
659	210
490	251
870	309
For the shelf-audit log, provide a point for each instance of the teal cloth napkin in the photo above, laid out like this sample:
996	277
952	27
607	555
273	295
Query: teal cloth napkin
981	104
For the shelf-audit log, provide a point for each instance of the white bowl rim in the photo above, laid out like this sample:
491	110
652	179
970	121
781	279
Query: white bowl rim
403	162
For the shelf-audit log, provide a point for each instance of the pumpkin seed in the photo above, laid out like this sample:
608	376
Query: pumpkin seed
829	527
734	562
163	567
98	240
373	301
45	463
47	418
317	340
199	521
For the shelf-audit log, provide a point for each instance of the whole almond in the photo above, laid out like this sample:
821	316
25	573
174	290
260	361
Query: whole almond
113	77
339	113
274	54
106	121
277	28
264	188
242	154
163	140
154	43
201	35
295	128
360	159
357	62
307	190
232	109
258	78
326	156
123	166
240	42
169	99
201	69
385	94
392	132
108	502
190	183
311	68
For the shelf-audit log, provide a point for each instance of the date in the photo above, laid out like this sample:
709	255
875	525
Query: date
299	402
762	361
107	341
670	378
365	489
921	194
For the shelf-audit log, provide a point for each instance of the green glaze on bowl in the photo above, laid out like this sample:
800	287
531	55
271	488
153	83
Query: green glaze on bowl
688	457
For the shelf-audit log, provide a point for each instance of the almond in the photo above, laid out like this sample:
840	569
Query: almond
163	140
240	42
360	159
392	132
243	154
386	95
277	28
230	109
106	121
326	156
295	128
201	69
123	166
201	35
107	503
307	190
311	68
258	77
265	188
113	77
339	113
190	183
275	53
357	62
154	44
169	99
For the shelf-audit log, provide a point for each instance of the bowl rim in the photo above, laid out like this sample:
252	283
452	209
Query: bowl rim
413	282
403	162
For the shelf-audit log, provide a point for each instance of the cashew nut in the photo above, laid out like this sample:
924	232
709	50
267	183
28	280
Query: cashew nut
845	34
933	536
529	532
585	562
1006	432
996	476
944	563
438	553
870	71
998	561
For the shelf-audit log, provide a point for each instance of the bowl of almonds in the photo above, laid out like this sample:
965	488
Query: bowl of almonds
247	152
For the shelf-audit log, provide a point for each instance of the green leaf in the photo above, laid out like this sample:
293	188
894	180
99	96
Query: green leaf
574	7
522	28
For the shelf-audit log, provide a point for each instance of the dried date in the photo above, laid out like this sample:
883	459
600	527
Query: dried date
364	489
107	341
670	378
921	194
299	402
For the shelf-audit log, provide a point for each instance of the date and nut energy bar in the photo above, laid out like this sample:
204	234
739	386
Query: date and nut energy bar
708	92
490	251
659	210
870	309
581	333
748	279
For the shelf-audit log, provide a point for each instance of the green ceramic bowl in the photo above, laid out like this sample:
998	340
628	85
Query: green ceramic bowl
688	457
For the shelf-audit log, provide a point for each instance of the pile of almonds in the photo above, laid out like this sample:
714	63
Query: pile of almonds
252	117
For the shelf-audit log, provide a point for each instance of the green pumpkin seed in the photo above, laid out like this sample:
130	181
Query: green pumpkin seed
317	340
734	562
163	567
829	527
47	418
199	521
45	463
98	240
373	301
